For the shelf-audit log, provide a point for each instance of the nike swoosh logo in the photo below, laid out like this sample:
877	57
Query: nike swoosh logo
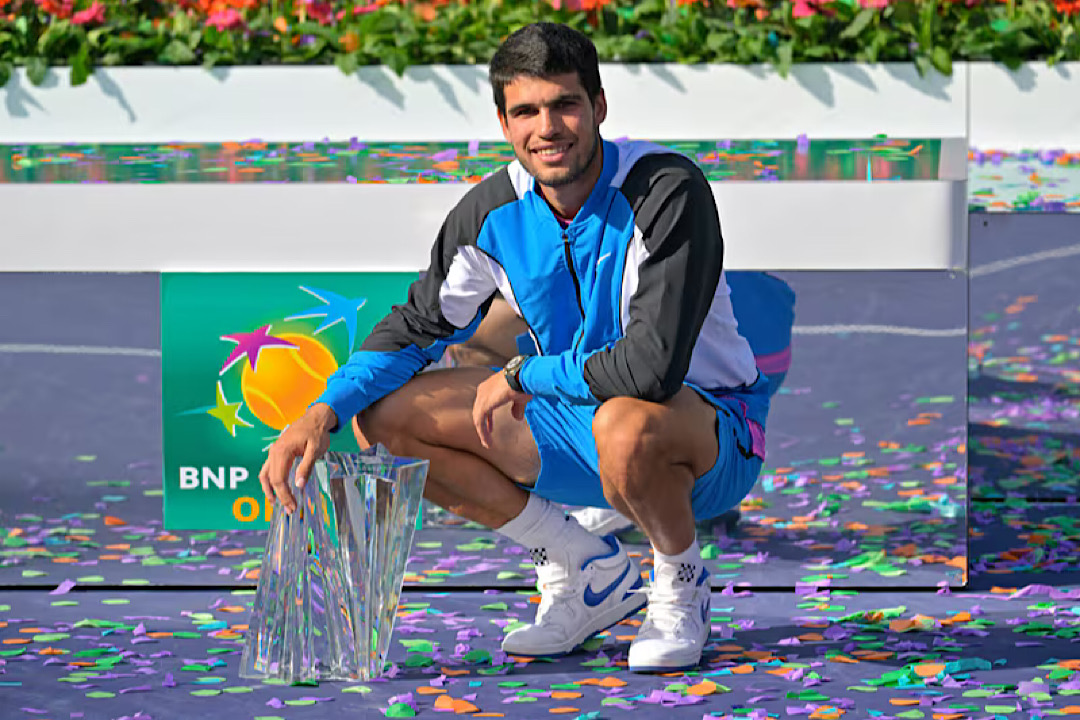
592	599
603	257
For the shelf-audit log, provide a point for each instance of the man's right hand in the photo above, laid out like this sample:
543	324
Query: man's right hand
307	438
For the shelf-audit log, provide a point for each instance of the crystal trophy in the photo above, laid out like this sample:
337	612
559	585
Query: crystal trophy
332	573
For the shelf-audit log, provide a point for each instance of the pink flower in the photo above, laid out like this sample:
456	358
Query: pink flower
93	14
875	4
226	19
802	9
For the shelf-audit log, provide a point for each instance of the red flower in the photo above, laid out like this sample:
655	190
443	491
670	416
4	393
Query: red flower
58	8
802	9
320	12
93	14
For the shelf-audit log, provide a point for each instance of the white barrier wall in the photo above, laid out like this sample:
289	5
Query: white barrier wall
660	102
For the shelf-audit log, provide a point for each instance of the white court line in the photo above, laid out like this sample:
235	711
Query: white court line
1011	263
796	330
77	350
877	330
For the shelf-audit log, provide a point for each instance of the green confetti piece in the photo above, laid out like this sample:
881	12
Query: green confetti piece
477	656
90	579
51	637
418	660
710	552
494	606
12	653
134	581
100	694
186	635
299	703
86	458
64	603
509	575
911	714
209	692
115	601
32	573
1000	709
5	608
513	684
418	645
400	710
237	689
362	689
862	688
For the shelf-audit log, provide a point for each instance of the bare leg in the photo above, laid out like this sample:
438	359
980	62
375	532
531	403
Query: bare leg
431	417
649	457
494	342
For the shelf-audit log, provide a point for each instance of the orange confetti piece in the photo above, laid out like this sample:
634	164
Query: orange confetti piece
15	641
428	690
903	702
231	609
742	669
949	716
844	659
459	706
1070	710
705	687
565	695
52	651
929	669
611	682
825	713
563	710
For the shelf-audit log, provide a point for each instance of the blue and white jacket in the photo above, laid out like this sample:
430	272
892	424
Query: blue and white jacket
628	300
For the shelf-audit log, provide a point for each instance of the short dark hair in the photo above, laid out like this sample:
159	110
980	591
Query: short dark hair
542	50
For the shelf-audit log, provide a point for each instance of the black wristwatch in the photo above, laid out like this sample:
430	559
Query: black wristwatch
510	372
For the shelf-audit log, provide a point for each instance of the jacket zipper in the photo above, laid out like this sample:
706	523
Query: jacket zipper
577	284
573	274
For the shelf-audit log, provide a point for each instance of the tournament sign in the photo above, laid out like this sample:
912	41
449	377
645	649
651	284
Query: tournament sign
243	355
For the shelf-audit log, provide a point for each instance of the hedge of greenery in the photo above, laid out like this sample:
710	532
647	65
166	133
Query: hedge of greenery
398	33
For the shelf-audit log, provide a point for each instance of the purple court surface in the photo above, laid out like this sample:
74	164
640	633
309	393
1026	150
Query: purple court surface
840	593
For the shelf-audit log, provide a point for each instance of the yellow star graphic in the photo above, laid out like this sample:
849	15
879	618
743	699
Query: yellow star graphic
228	413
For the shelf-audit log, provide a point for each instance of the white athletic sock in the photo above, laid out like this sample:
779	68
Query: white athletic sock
542	524
686	567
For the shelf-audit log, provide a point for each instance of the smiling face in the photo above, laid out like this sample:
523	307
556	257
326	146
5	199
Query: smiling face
554	129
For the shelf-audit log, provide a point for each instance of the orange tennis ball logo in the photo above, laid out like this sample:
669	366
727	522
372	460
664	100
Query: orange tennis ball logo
286	380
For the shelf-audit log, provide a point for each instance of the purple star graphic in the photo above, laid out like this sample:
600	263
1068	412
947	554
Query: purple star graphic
250	345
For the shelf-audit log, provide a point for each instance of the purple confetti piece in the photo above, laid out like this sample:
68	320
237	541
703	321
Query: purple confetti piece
275	703
63	588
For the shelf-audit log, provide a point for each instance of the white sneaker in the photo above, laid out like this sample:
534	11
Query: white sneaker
601	521
676	626
576	602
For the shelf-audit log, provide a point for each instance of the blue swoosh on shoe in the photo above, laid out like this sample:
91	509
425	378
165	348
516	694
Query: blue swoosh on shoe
592	599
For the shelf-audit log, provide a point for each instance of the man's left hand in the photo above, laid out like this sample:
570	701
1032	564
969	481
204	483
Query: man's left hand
492	394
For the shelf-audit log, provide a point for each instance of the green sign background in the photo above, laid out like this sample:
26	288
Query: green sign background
218	418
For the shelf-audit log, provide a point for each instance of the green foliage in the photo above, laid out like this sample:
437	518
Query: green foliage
932	34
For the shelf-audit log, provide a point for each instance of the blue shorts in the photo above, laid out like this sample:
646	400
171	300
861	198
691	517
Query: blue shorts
568	457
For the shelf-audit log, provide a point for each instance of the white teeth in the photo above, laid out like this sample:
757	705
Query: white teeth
552	151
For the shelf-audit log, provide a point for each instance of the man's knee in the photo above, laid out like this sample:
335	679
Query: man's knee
384	422
626	436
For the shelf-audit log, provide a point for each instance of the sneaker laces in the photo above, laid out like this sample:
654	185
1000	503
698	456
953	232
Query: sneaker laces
671	606
555	583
